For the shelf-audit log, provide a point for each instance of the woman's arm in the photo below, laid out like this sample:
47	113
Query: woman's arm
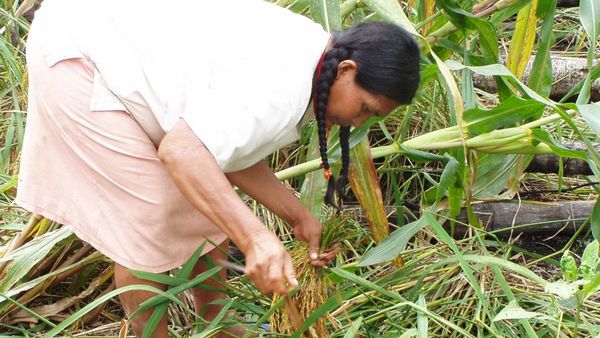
197	175
259	182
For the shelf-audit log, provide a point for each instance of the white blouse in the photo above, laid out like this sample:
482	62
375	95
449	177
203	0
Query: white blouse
239	72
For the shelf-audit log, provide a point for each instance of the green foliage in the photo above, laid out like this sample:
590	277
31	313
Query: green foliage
568	267
455	145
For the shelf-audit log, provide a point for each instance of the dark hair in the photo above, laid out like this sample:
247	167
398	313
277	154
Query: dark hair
388	64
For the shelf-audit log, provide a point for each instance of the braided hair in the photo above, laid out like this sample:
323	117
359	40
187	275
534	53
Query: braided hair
388	64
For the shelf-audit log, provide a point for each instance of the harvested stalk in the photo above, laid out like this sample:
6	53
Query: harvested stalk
313	282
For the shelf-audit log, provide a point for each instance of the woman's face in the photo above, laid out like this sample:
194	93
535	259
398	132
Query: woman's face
351	105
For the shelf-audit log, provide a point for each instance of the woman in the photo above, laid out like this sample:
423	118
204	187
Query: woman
139	125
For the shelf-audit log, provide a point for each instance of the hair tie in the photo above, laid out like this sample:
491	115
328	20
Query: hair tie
327	173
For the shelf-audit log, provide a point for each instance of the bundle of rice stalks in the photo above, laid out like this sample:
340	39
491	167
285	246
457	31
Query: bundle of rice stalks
313	283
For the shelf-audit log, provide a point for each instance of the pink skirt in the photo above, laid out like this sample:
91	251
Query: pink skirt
99	174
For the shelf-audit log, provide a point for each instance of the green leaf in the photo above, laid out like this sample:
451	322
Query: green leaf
89	307
591	287
353	329
562	288
589	260
506	114
455	102
422	324
595	220
8	184
391	11
391	247
421	156
589	11
589	14
155	318
327	13
160	298
410	333
463	19
502	71
568	267
366	283
494	173
448	177
540	77
544	137
27	256
591	114
187	268
514	311
158	278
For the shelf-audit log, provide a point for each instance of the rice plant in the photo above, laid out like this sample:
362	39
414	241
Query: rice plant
401	269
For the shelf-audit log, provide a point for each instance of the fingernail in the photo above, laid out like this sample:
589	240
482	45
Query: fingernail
313	255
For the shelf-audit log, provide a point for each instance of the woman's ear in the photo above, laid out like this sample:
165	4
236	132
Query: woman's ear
347	67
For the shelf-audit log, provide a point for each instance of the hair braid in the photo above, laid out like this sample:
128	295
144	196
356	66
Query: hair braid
341	182
328	75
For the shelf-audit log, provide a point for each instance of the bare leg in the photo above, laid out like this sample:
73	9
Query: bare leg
131	300
203	297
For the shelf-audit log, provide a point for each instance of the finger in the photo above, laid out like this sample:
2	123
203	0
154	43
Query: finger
319	263
313	248
328	256
290	274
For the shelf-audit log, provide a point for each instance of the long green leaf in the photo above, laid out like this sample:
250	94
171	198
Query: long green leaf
486	32
353	329
589	12
30	254
327	13
506	114
591	114
391	247
595	221
391	11
540	78
89	307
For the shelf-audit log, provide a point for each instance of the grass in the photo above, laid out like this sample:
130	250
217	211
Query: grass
487	284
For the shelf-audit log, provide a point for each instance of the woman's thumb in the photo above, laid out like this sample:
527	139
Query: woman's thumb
313	249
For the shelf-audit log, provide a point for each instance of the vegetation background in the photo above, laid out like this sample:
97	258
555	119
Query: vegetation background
415	257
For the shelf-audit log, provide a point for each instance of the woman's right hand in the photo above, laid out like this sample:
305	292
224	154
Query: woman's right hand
268	264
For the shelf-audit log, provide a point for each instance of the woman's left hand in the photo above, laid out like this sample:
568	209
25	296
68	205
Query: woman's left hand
309	230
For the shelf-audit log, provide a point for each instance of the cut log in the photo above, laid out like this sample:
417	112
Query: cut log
549	163
527	217
568	3
567	71
542	217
